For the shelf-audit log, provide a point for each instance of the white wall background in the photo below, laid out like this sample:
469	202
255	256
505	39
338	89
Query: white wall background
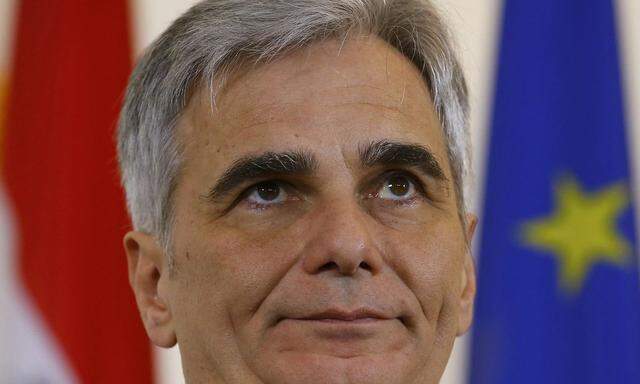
475	24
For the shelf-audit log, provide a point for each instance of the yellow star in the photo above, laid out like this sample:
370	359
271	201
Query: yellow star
582	231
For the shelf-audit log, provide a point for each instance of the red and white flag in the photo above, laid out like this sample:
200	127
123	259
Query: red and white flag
68	313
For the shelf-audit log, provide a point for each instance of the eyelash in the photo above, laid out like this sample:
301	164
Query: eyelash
420	189
379	182
283	188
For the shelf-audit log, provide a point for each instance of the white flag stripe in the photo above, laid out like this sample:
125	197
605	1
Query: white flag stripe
30	354
629	32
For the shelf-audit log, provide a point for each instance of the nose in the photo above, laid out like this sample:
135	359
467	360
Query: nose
341	244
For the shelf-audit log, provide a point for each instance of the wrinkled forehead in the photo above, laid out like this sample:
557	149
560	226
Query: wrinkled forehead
331	65
354	90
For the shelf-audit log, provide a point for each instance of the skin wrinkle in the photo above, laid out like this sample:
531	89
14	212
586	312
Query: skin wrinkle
277	281
405	275
249	268
423	309
239	377
263	113
240	351
390	108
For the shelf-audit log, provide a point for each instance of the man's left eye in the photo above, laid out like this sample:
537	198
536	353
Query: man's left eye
267	193
397	187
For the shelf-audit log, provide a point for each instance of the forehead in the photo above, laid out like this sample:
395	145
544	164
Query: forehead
333	94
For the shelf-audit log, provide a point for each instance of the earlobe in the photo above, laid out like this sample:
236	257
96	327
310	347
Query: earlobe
468	281
467	296
146	275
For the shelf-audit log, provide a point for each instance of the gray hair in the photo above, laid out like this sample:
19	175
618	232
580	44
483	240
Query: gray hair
215	37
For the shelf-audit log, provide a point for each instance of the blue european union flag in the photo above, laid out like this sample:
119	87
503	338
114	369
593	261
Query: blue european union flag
559	294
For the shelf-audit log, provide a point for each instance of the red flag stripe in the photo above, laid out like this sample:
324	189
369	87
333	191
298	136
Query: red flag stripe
70	67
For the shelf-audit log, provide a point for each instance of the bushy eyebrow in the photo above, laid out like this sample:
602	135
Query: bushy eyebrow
381	153
392	153
267	164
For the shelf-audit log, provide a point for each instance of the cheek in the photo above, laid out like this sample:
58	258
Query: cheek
429	262
226	274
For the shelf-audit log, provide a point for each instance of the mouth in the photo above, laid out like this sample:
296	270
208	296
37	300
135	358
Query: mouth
337	315
344	326
342	316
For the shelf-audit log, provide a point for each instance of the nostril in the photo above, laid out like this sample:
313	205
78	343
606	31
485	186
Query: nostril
328	266
365	265
332	265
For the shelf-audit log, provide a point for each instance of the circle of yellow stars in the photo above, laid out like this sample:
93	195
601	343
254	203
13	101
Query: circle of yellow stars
582	231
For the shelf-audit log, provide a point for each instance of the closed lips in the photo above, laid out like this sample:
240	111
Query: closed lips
346	316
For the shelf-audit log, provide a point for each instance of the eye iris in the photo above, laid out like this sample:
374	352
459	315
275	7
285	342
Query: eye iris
399	185
268	191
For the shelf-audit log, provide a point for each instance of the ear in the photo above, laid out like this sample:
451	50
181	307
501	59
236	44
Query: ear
146	276
468	281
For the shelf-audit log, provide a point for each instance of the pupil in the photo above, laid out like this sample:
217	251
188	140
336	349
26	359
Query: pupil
268	191
399	185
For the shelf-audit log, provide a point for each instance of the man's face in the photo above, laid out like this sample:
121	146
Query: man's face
316	235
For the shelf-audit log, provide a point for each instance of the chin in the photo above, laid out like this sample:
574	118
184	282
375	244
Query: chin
319	368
